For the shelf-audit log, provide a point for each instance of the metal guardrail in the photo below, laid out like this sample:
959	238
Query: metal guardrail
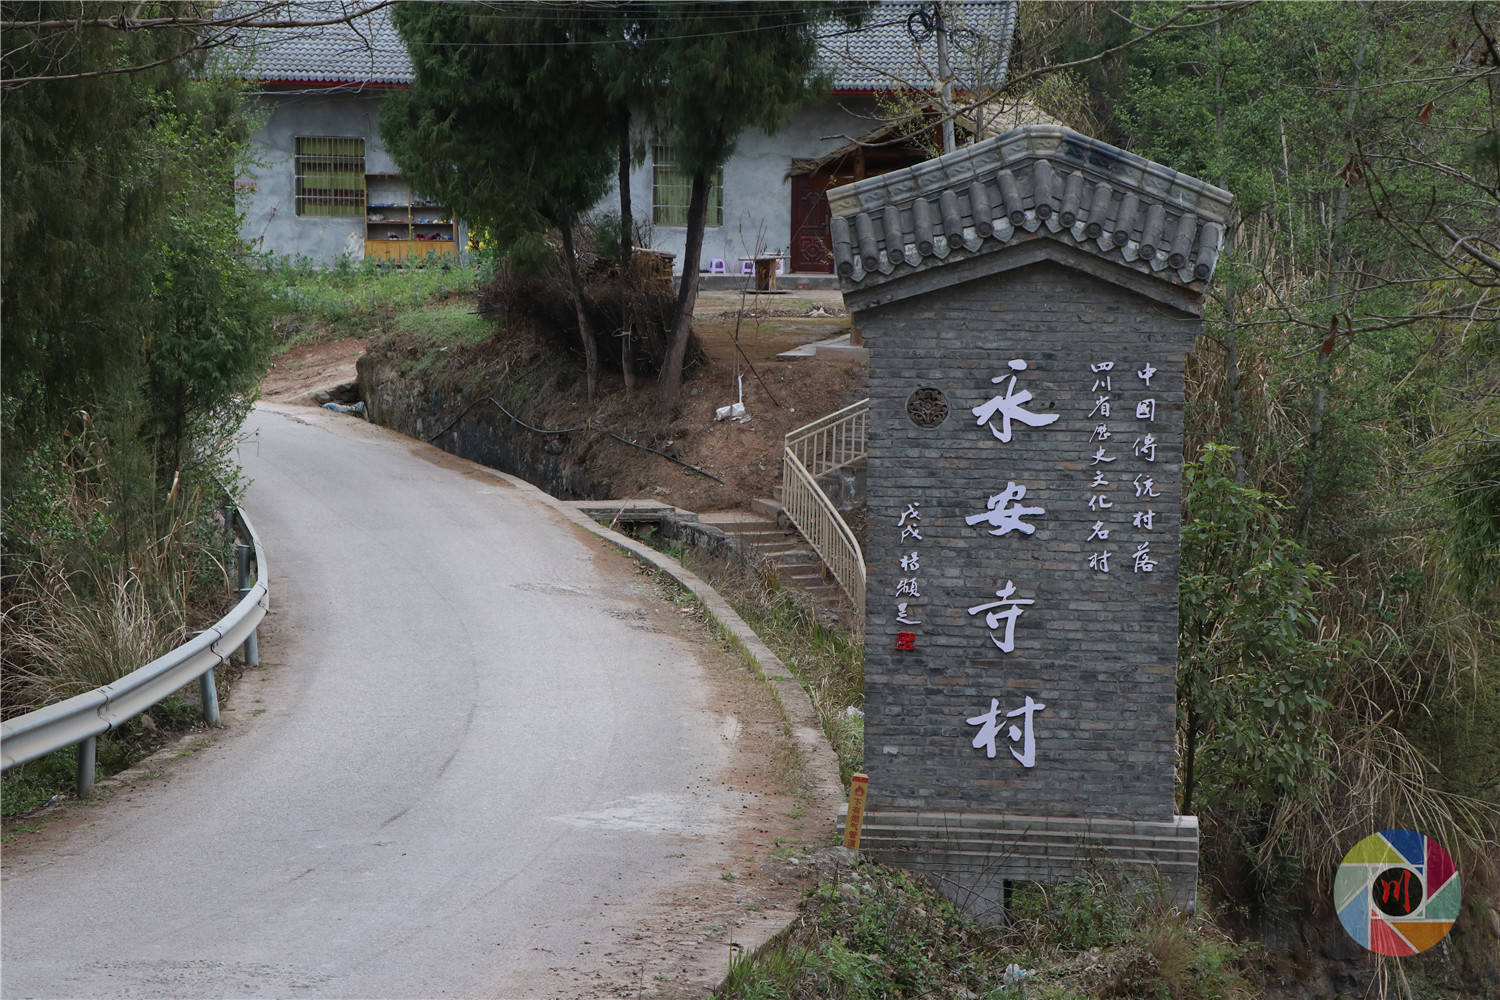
823	446
81	719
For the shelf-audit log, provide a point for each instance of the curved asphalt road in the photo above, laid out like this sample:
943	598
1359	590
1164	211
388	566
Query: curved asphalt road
469	755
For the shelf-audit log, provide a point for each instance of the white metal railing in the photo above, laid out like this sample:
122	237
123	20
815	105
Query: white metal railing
823	446
81	719
831	442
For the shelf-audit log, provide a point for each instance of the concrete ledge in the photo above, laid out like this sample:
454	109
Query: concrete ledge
683	526
973	855
784	282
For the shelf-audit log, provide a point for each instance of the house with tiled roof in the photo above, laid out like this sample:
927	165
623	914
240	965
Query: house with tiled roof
324	185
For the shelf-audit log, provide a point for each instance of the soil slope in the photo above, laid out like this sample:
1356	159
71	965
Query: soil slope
741	336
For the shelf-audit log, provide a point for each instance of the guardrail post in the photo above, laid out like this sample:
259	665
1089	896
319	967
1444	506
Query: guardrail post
242	567
87	754
208	691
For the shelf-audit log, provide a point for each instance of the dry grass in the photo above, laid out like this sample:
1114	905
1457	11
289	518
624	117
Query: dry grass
98	592
1408	646
80	631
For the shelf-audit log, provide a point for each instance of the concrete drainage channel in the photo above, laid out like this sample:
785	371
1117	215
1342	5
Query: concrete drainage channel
682	526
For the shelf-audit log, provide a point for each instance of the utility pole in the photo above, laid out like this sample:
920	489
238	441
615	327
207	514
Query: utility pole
945	75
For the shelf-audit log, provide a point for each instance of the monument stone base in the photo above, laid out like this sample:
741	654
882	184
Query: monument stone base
972	855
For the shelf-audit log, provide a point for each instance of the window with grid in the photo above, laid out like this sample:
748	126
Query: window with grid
672	189
330	176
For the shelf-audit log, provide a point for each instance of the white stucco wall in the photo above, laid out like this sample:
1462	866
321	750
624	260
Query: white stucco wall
757	191
271	220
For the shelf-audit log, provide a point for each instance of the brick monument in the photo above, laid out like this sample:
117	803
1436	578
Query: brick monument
1029	303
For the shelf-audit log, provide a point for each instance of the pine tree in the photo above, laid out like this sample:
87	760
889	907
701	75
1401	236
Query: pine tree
126	286
80	191
508	121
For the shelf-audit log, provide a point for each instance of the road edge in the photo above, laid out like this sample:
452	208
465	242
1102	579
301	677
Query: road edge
820	763
824	785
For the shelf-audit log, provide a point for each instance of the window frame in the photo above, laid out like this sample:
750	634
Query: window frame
332	201
667	176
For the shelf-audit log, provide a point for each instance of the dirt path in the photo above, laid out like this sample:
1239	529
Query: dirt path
299	374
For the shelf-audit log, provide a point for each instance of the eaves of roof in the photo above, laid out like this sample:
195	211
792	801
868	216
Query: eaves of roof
334	84
1042	181
367	50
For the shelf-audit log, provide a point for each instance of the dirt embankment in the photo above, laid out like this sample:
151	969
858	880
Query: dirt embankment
443	394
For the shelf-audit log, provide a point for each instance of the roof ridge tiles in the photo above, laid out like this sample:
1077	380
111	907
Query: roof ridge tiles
1030	181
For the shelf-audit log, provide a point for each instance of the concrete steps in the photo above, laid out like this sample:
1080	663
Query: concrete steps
765	532
762	530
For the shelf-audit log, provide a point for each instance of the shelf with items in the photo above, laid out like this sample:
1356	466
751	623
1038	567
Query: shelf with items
399	224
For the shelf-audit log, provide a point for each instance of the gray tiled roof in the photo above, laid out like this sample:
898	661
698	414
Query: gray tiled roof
884	55
880	56
366	50
1034	181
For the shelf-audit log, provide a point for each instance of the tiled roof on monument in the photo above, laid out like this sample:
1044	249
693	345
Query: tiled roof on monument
1038	181
883	55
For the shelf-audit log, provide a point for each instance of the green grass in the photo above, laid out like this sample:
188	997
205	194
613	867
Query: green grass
438	331
870	933
315	304
875	932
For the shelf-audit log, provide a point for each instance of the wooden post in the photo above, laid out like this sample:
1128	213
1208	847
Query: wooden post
859	787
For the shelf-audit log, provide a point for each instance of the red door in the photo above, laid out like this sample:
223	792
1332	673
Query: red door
812	243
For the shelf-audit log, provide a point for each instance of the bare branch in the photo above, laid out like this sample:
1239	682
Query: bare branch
258	17
1466	244
1226	10
1439	167
224	29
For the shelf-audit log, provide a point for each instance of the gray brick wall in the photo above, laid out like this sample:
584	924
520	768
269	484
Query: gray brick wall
1098	649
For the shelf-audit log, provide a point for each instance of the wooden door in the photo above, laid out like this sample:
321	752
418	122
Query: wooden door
812	243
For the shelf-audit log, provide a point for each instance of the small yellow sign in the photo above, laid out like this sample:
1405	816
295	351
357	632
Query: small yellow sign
859	786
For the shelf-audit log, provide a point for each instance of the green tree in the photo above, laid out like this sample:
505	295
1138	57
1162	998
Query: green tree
125	280
519	111
131	308
726	68
1254	672
1350	355
210	330
508	121
81	189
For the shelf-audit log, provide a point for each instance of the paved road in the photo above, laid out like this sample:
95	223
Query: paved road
481	755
